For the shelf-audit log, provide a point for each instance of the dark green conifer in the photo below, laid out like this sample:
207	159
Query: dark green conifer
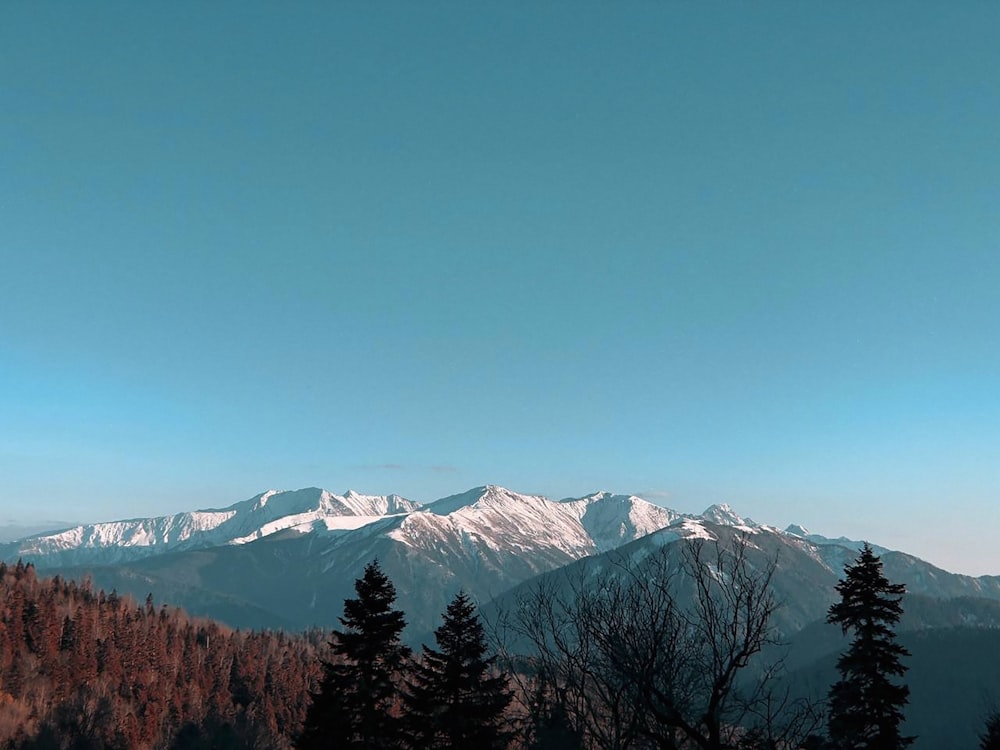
990	739
866	704
355	702
552	731
454	698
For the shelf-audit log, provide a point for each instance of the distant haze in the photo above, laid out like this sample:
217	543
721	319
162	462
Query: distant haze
11	531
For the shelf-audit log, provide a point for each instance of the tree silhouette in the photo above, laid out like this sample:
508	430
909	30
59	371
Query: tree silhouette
353	708
866	705
651	652
990	739
454	700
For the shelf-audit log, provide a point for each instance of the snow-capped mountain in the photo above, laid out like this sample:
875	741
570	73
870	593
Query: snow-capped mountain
490	537
722	514
245	521
290	558
484	540
499	519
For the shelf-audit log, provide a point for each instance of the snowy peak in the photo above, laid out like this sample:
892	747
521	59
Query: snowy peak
492	519
280	503
244	521
612	520
488	496
687	526
377	505
489	522
723	515
531	533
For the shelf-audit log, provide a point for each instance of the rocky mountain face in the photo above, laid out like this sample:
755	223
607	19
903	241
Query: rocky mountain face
289	559
258	517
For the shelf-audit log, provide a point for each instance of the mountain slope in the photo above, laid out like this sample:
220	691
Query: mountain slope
484	541
806	572
292	557
952	676
260	516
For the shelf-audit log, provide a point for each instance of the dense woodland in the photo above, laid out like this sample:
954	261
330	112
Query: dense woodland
619	664
84	669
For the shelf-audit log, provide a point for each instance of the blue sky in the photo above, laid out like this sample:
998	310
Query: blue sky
708	252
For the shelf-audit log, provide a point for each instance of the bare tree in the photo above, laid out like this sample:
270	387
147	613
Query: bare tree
655	653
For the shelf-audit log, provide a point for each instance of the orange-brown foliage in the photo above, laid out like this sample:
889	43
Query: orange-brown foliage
85	668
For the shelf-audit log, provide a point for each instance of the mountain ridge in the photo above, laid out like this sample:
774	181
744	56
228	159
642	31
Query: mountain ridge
295	553
261	515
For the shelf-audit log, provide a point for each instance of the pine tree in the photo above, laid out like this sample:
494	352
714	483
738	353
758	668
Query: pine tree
353	708
990	739
454	699
552	730
866	705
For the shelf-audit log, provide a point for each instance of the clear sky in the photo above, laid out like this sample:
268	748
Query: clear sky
742	252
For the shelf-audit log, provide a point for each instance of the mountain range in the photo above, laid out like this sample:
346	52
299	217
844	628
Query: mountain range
288	559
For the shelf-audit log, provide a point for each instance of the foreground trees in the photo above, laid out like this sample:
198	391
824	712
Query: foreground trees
990	739
866	704
655	654
454	699
658	650
374	696
353	708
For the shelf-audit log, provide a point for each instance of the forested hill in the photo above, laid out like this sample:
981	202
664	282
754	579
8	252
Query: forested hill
87	669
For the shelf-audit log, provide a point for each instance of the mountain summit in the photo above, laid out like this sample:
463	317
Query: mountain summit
496	516
255	518
288	558
723	515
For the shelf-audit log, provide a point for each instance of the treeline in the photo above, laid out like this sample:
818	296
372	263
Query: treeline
653	655
84	669
375	694
628	657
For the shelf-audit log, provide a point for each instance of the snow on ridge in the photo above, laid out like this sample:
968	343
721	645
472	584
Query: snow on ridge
724	515
612	520
490	515
241	522
685	527
307	523
380	505
486	496
500	519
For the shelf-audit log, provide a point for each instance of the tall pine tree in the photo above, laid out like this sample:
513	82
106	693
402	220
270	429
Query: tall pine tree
454	699
866	704
990	739
354	705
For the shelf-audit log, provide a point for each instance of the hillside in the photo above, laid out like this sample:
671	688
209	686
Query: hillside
83	668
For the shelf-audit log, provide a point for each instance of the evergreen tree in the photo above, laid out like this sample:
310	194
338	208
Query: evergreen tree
990	739
552	730
866	705
353	708
454	699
